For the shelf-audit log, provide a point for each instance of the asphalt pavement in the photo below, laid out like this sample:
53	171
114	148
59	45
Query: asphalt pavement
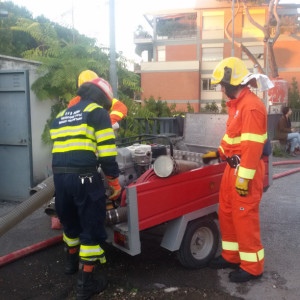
156	271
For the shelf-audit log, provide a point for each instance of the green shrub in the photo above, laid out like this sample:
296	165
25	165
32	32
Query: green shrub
278	151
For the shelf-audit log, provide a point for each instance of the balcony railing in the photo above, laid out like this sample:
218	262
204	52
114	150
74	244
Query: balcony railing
142	37
165	126
179	34
173	126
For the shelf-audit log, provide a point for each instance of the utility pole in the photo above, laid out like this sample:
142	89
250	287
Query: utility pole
232	45
73	29
113	79
267	73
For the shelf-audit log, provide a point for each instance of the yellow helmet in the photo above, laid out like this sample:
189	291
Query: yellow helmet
230	70
85	76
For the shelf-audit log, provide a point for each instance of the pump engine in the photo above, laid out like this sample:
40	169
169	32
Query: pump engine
135	160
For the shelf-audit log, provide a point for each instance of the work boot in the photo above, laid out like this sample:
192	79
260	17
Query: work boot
220	263
72	260
87	286
241	275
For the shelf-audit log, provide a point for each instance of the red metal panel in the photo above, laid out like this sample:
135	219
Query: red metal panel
168	198
266	178
164	199
279	93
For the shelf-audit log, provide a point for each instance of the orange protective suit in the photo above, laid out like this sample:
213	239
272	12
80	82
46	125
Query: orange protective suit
117	112
245	136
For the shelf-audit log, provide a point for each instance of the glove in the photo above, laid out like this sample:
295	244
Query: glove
241	186
209	156
115	126
115	187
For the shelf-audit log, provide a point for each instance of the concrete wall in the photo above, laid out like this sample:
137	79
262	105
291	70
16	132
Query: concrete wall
40	112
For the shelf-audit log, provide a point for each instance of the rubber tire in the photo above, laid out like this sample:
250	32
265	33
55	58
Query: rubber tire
209	233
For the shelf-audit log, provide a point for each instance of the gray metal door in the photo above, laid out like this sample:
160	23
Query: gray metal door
15	136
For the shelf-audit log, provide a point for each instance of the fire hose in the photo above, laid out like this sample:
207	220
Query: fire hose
29	250
45	191
286	162
285	173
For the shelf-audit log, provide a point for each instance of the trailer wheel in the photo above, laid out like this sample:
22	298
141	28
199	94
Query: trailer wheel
199	244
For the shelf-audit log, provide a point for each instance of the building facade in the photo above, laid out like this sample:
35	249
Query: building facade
185	45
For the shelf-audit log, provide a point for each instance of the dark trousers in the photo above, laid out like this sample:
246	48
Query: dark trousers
81	207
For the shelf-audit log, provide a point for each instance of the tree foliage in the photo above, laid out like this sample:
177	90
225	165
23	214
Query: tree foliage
13	43
64	53
150	109
158	108
223	107
294	95
130	126
211	107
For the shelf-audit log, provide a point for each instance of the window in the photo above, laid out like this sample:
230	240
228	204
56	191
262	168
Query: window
206	85
212	54
177	26
161	53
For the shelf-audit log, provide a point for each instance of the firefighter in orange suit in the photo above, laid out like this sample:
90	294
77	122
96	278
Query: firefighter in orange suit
242	182
118	110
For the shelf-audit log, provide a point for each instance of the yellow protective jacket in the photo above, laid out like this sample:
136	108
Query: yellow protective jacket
83	137
117	112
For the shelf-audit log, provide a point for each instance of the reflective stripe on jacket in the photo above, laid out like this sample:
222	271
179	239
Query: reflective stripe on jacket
118	109
246	131
81	135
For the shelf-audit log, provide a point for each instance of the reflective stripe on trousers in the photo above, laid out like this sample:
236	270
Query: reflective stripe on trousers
92	253
239	221
71	242
247	257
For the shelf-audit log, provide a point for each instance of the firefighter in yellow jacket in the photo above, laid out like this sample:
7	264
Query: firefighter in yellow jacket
84	139
242	182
